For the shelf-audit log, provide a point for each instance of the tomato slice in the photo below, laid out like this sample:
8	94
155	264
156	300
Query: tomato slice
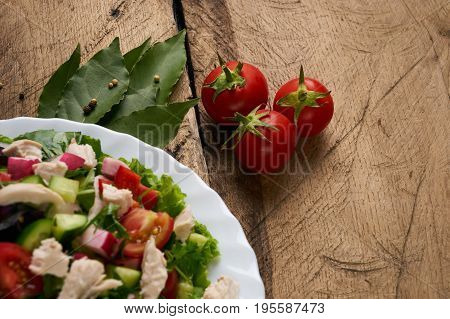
170	290
165	225
5	177
147	196
133	263
127	179
140	225
101	182
16	280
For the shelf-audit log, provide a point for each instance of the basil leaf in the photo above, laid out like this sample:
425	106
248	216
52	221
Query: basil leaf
91	81
156	125
132	57
53	90
166	59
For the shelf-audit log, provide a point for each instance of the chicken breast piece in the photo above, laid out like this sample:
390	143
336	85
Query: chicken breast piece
33	194
86	280
184	223
48	169
224	288
154	272
121	197
24	148
49	259
84	151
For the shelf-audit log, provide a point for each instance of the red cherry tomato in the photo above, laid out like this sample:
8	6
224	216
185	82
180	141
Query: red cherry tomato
148	197
315	113
133	263
170	290
16	280
127	179
140	225
244	91
266	149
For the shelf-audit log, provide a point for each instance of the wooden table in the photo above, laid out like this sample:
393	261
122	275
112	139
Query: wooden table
369	216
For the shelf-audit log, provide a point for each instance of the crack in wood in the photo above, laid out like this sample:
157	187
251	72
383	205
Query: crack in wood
408	231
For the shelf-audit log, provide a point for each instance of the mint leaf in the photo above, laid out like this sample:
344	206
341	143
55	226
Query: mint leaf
91	82
156	125
53	90
166	59
133	56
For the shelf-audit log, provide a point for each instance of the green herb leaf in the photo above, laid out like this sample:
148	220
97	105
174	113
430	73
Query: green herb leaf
156	125
171	198
192	261
53	143
91	82
166	59
148	178
53	90
133	56
107	220
5	139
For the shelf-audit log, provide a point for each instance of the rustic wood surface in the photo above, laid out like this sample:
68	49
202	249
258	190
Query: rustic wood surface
365	212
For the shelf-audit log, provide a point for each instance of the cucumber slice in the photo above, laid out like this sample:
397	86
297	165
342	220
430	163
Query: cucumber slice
33	179
30	238
66	226
184	290
129	277
200	240
67	188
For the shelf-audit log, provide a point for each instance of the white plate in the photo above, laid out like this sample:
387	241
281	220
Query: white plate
237	259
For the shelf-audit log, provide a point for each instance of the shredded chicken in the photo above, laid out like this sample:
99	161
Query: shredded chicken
86	280
48	169
84	151
121	197
33	194
24	148
224	288
183	225
50	259
154	272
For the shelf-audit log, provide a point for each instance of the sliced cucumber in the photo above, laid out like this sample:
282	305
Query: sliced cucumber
66	226
67	188
32	179
200	240
30	238
129	277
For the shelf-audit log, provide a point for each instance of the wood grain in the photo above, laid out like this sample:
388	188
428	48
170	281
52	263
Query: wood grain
366	215
37	36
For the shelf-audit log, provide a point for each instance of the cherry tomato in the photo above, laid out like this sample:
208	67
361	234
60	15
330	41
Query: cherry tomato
148	197
233	87
170	290
133	263
267	141
127	179
141	224
16	280
307	102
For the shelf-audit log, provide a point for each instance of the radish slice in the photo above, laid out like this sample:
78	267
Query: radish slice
72	161
19	167
100	242
110	167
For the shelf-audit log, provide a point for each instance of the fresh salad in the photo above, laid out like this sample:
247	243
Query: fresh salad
77	223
